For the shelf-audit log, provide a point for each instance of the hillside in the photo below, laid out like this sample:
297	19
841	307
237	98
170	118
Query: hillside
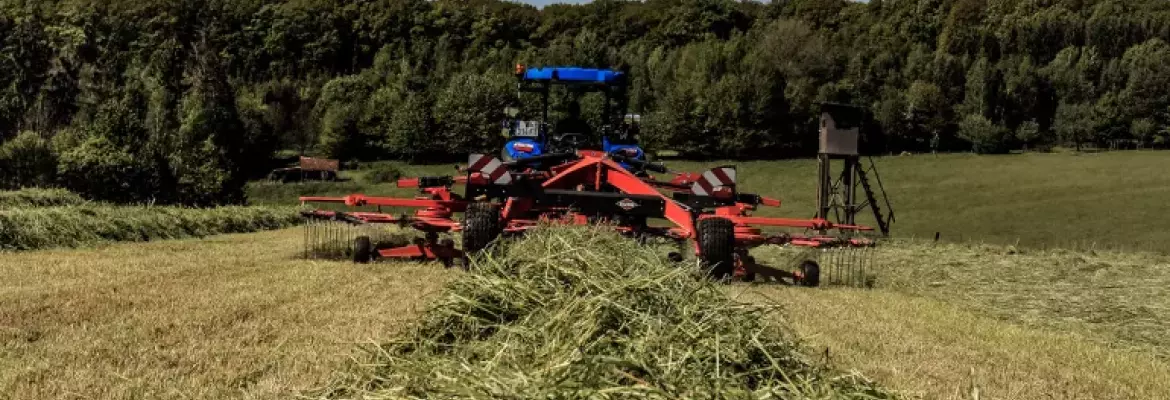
181	102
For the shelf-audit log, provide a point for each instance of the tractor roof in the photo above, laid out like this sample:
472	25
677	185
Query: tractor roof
571	75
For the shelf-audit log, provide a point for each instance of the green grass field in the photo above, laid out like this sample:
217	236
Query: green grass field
1112	200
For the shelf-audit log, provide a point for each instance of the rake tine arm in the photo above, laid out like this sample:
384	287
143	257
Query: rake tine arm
813	224
852	227
816	224
312	199
770	202
668	185
431	181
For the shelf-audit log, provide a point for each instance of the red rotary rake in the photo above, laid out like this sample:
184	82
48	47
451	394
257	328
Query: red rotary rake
704	213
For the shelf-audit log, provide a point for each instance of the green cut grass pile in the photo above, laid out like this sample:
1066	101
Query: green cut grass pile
74	226
580	312
33	197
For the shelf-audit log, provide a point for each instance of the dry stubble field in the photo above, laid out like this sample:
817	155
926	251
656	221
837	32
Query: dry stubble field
234	316
946	320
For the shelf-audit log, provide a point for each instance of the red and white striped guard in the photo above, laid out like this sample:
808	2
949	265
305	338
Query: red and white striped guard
714	179
491	168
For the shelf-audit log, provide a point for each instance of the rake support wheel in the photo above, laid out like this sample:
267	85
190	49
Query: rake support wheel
717	246
481	225
363	250
810	274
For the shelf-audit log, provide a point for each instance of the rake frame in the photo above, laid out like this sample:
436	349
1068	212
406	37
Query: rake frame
590	187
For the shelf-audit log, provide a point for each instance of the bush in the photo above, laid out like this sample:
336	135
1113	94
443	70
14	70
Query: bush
39	198
27	160
382	173
1143	130
48	227
985	136
468	112
1028	133
584	313
100	170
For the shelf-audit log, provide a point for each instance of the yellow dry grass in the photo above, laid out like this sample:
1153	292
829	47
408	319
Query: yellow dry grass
933	350
234	316
948	319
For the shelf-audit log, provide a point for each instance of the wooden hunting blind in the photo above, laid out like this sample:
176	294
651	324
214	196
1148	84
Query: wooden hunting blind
840	139
840	129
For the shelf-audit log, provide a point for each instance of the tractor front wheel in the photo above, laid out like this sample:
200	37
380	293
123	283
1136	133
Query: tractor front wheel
481	225
717	246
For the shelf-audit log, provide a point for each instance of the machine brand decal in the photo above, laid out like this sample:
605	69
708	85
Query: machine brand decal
627	204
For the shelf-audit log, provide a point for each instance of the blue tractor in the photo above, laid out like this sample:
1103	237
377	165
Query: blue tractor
533	136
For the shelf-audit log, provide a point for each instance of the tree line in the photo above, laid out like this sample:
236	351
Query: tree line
178	101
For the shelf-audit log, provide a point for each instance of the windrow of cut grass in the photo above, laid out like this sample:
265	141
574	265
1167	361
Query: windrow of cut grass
583	313
74	226
35	197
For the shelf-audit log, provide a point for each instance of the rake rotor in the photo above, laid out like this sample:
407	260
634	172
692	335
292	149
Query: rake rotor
504	198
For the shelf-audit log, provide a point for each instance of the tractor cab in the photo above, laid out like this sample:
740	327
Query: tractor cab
533	135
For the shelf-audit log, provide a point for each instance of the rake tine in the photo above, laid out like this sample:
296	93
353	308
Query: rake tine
857	266
850	268
832	256
833	275
858	256
837	256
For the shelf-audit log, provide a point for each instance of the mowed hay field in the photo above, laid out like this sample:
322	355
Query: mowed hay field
234	316
240	316
946	320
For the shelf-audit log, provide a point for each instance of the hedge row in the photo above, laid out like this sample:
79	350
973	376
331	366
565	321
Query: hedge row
38	198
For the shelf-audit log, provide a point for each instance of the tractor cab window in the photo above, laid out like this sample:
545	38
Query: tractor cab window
573	123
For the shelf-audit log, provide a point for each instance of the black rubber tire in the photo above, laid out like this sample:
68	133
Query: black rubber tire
363	250
717	246
481	226
749	276
811	273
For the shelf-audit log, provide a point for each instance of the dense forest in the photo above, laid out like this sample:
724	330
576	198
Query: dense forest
178	101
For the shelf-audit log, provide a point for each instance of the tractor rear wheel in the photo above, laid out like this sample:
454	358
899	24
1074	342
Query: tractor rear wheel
363	250
481	225
717	246
810	274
